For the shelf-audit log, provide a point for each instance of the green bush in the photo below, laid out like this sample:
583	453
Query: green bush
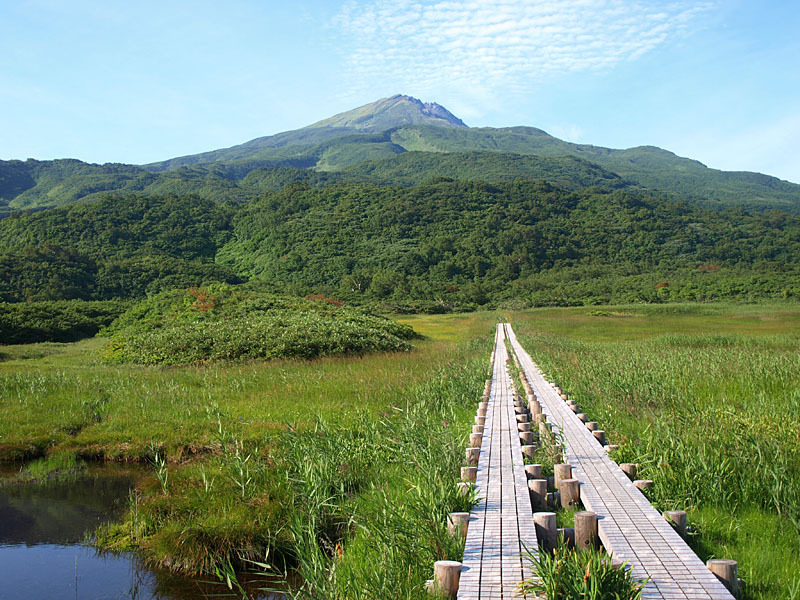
56	321
223	322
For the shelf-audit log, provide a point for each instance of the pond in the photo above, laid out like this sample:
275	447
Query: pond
45	553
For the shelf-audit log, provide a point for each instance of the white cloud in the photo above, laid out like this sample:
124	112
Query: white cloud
482	48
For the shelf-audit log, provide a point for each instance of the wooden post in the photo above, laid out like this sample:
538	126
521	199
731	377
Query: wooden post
544	430
522	419
539	418
480	420
643	484
545	523
526	437
529	450
477	429
475	440
725	570
464	488
521	410
586	530
575	408
568	535
629	469
473	456
677	518
582	417
538	493
564	397
446	574
533	471
481	412
600	436
570	492
561	472
592	426
611	447
469	473
536	408
457	523
523	426
483	405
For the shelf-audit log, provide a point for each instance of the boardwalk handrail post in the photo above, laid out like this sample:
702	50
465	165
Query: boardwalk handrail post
586	530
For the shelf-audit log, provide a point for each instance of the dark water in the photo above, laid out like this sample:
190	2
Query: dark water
44	554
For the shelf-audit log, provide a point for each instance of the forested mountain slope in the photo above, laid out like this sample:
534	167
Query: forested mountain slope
442	241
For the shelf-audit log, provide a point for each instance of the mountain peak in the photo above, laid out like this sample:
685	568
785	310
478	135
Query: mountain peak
395	111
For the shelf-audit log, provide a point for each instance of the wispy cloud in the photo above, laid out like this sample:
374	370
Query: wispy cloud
487	47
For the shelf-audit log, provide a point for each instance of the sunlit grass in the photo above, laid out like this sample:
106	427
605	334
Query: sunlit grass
706	399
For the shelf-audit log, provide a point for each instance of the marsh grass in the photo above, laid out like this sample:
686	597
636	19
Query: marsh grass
707	400
54	465
349	494
584	575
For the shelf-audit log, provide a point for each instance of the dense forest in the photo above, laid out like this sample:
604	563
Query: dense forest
443	243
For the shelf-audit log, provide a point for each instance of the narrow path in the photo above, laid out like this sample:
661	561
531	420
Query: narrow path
628	525
501	524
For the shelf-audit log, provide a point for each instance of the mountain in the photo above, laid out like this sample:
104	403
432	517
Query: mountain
394	141
375	117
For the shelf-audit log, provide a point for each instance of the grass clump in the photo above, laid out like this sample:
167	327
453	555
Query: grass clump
229	323
53	465
580	575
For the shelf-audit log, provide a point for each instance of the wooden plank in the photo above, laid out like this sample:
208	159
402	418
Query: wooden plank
501	524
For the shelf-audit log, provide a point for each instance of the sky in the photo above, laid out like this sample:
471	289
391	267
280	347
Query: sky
138	82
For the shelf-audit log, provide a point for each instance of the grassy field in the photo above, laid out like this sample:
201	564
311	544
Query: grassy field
341	464
706	398
330	467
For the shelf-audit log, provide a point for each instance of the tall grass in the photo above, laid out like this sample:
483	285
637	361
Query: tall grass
707	401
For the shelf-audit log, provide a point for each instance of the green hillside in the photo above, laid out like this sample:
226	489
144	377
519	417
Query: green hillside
443	243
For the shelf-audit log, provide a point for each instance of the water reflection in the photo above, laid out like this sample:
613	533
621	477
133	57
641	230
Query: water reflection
43	528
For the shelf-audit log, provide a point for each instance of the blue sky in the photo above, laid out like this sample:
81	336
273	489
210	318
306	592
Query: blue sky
143	81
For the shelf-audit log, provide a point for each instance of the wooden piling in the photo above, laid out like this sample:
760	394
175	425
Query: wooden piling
629	469
477	429
538	493
560	473
457	523
582	417
446	574
469	474
600	436
592	426
473	455
523	426
526	437
522	419
545	523
475	440
479	420
529	450
570	492
481	412
533	471
586	530
725	570
544	430
643	484
575	408
611	447
677	518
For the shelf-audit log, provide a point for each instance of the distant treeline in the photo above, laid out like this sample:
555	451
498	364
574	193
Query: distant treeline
432	247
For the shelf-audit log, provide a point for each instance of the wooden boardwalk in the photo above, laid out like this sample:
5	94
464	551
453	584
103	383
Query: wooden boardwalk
628	525
501	524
